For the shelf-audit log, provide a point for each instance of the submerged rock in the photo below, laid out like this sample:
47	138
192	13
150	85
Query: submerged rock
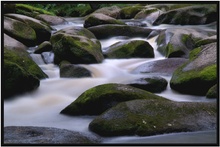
152	117
198	74
164	67
100	98
151	84
130	49
99	19
76	45
45	135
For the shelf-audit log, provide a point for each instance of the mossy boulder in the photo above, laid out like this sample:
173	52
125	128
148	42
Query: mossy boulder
99	19
153	117
20	73
191	15
164	67
43	47
45	135
130	11
152	84
68	70
42	30
197	75
206	40
112	11
76	45
178	42
130	49
51	19
110	30
100	98
20	31
212	92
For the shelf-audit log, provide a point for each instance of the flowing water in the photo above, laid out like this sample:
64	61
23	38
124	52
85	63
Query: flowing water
42	107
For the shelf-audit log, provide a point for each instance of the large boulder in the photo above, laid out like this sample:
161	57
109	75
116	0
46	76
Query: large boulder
151	84
130	49
20	31
100	98
12	43
43	31
76	45
45	135
20	69
191	15
112	11
99	19
51	20
152	117
198	74
178	42
164	67
206	40
110	30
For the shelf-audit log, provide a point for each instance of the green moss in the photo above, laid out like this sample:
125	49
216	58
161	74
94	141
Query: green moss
25	9
130	12
193	54
212	93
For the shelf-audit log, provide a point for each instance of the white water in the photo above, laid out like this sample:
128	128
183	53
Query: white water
42	107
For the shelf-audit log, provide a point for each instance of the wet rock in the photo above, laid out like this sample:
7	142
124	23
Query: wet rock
152	117
45	135
151	84
197	75
212	92
110	30
43	47
130	49
99	19
51	20
112	11
76	45
100	98
20	31
178	42
68	70
192	15
42	30
48	57
164	67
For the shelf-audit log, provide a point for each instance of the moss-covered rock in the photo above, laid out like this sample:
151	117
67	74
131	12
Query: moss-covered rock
151	84
68	70
178	42
51	20
99	19
76	45
207	40
197	75
42	30
45	135
130	11
110	30
212	92
112	11
130	49
20	31
100	98
164	67
43	47
191	15
152	117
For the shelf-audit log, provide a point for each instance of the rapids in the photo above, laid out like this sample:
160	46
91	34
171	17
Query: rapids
42	107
